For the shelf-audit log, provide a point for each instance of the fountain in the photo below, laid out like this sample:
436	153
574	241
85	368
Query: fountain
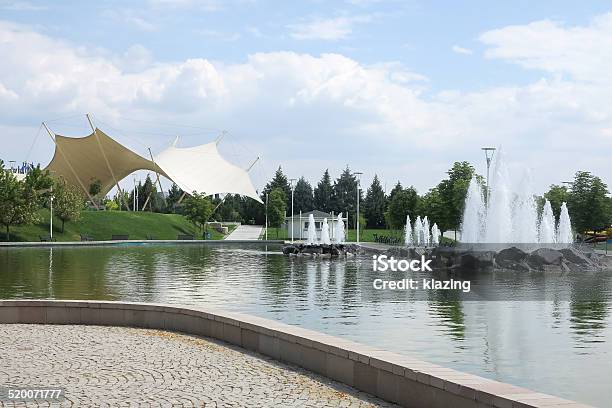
312	232
564	231
547	233
339	231
325	240
435	235
418	231
426	234
511	214
408	240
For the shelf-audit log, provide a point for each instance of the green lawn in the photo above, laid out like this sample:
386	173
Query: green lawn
101	225
365	235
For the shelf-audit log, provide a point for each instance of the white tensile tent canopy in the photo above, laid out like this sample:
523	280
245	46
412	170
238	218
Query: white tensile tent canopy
99	157
202	168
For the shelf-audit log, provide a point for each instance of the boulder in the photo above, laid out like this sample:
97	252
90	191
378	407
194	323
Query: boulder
544	256
477	260
575	256
511	258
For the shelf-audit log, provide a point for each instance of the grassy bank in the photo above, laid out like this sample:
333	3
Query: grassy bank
101	225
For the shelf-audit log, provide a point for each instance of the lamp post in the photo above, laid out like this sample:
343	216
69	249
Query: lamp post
357	174
292	189
51	210
489	153
266	216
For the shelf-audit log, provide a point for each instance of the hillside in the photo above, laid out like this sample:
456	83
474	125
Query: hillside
101	225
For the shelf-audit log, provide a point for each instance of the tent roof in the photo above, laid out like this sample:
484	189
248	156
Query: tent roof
203	169
81	160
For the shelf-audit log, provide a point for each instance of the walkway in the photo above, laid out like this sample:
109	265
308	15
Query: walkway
113	366
245	233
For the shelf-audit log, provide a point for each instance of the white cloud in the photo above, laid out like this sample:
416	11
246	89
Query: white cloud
131	18
287	105
21	6
460	50
337	28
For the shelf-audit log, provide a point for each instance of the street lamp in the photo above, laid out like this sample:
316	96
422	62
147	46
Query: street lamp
266	216
357	174
489	153
292	188
51	210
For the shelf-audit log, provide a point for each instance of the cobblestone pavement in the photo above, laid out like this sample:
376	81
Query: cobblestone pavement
117	367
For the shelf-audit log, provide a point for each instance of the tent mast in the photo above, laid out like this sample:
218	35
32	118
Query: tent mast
161	190
51	135
252	164
94	129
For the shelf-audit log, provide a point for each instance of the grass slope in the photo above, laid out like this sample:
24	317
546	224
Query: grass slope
101	225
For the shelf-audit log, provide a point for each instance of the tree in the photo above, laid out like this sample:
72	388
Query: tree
302	196
588	202
403	203
375	204
198	208
277	205
20	200
174	195
278	181
95	186
323	193
452	194
67	201
345	195
557	195
147	191
398	187
431	205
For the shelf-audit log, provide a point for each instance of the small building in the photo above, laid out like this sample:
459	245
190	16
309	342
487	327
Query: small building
299	223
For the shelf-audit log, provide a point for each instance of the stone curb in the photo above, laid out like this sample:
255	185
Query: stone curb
392	377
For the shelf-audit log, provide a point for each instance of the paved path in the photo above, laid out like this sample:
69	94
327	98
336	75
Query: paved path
113	366
245	232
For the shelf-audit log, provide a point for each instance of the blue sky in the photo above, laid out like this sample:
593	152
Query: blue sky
389	87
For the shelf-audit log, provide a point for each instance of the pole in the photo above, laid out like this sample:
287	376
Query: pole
292	189
357	174
266	216
161	190
51	219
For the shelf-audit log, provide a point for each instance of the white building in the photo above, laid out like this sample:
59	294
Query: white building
299	223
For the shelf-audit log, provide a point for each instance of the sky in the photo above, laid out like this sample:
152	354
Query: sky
401	89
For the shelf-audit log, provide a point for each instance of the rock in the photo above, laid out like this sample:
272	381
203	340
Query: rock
544	256
511	258
477	260
575	256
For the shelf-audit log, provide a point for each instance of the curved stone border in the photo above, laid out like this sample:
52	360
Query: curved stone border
392	377
134	241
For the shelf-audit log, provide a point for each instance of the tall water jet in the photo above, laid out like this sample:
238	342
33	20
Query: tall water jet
418	231
525	213
547	225
435	235
474	213
312	232
499	211
408	240
564	231
325	233
426	235
339	230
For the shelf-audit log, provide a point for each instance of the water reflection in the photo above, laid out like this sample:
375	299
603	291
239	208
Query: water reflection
557	340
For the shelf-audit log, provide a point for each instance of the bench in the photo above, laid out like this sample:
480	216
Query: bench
85	237
185	237
151	237
46	238
120	237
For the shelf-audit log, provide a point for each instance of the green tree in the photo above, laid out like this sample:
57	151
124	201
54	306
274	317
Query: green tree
20	200
452	194
302	196
95	187
198	208
375	204
557	195
277	206
432	206
345	196
403	203
278	181
323	193
67	201
588	202
398	187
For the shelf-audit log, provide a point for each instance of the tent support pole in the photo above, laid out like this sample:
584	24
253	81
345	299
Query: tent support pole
161	190
51	135
183	196
94	129
252	164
